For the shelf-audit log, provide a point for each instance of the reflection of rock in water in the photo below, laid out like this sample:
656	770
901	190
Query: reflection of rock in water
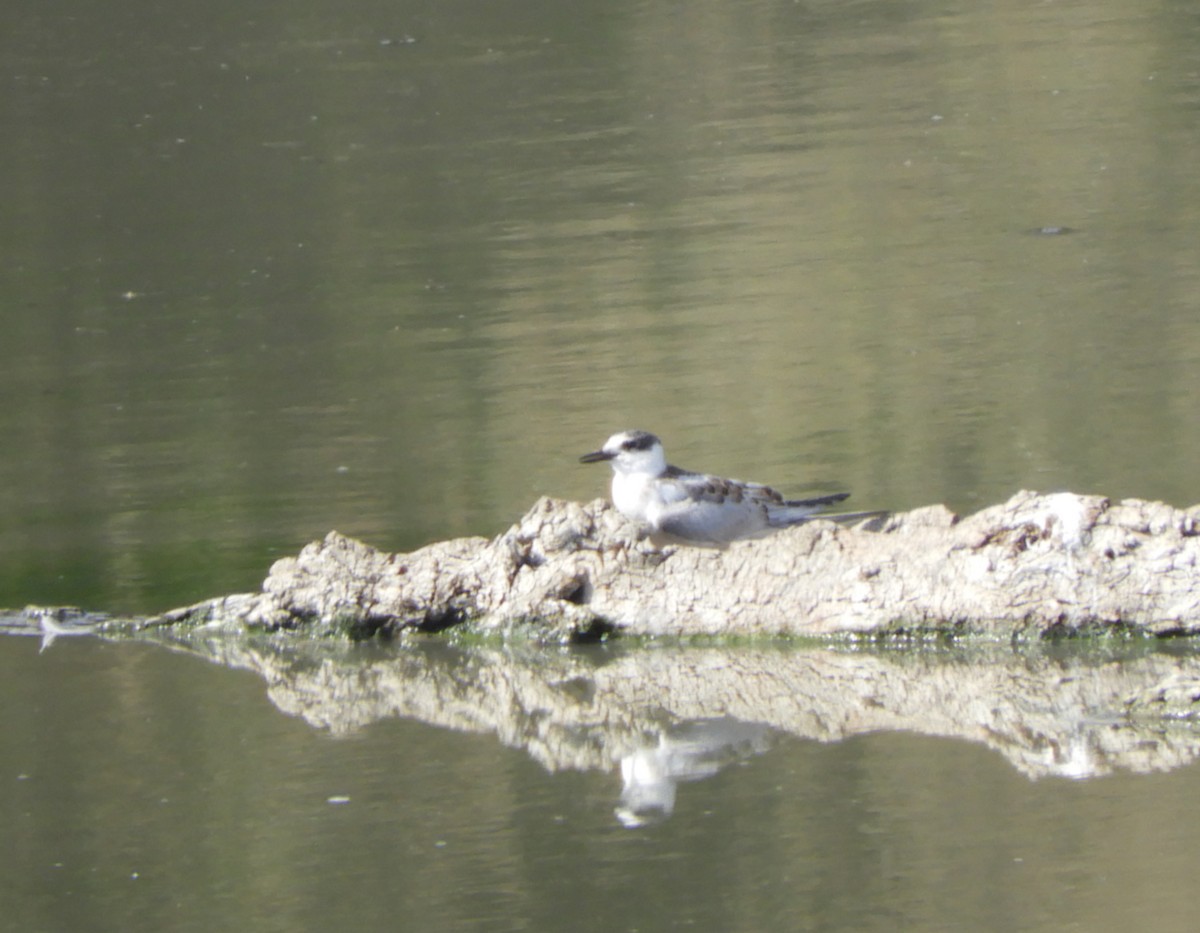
1049	711
661	714
689	752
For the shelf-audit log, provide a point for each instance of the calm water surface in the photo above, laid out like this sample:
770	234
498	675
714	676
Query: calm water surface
389	268
148	789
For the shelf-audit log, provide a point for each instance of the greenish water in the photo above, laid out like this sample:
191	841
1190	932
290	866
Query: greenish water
390	268
267	275
149	789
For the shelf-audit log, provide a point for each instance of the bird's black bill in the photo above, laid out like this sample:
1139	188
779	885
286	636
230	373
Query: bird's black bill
595	456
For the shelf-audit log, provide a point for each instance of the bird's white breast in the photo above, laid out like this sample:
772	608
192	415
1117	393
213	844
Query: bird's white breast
632	494
654	499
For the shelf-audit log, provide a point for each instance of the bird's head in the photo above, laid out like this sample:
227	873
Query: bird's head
631	452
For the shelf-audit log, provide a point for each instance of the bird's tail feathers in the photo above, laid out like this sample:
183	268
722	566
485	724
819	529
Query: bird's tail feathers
818	502
802	514
873	519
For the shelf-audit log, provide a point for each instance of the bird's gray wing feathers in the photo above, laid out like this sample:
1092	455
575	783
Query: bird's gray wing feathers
704	487
712	521
713	509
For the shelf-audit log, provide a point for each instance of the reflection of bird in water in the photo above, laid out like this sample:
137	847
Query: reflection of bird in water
51	622
690	753
696	506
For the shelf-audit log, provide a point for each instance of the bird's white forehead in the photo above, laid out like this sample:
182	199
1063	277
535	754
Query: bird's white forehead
618	439
634	441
